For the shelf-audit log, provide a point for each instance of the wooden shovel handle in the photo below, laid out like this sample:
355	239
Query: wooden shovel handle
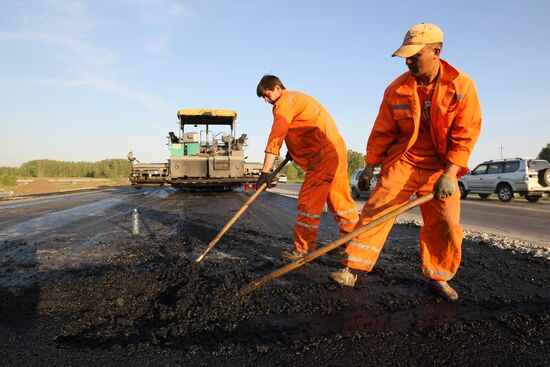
241	211
323	250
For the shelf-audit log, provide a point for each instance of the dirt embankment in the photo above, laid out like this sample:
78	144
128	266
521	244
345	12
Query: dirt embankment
38	186
44	186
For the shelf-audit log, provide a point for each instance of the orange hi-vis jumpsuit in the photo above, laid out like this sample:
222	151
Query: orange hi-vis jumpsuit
315	144
417	132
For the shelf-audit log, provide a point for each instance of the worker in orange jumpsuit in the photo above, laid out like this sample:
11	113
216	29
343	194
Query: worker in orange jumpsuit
426	128
314	143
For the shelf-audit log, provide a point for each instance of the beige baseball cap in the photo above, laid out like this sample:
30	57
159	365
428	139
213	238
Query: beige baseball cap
417	37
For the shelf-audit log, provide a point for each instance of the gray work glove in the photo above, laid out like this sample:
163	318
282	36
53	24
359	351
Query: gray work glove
366	177
265	178
445	186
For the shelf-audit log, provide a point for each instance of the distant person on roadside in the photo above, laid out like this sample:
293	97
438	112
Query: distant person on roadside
426	128
314	143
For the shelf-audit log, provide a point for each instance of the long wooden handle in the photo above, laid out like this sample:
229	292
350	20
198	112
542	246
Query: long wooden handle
241	211
323	250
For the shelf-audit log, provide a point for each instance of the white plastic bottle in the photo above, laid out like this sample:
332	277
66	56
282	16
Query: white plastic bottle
135	223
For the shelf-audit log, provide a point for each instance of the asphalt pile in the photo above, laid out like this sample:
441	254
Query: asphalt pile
184	305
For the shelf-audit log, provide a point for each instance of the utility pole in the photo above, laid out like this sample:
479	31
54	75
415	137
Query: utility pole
501	150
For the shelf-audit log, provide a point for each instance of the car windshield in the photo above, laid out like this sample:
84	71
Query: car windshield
537	165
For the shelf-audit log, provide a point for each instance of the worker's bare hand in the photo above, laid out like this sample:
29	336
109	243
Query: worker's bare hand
445	186
265	178
365	178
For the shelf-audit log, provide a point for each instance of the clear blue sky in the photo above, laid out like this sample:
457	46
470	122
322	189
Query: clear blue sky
87	80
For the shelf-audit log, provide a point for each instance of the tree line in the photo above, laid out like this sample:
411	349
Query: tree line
119	168
107	168
545	153
294	172
357	160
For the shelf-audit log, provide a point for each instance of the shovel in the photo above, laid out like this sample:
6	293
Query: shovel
241	211
331	246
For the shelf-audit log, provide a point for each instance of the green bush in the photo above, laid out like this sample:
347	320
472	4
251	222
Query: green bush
293	172
355	160
107	168
9	180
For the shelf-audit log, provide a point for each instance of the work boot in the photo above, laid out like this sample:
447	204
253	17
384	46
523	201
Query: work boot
344	277
444	290
292	255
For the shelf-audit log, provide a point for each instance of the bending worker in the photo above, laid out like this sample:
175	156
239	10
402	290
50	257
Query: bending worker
426	128
314	143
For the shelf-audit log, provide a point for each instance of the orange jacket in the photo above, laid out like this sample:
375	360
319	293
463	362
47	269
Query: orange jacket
305	126
455	119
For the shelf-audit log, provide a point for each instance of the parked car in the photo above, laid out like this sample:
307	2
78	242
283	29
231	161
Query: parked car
355	191
282	178
526	177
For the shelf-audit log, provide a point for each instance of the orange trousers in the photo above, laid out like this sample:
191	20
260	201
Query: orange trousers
440	236
326	181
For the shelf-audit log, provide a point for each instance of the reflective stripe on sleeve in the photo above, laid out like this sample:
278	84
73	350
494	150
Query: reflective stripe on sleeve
400	106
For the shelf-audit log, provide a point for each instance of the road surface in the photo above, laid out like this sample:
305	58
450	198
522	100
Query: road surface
76	288
518	219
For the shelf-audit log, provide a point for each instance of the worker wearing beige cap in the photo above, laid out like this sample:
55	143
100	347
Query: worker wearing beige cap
426	128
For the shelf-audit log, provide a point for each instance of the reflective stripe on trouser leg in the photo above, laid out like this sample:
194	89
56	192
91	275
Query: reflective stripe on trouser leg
441	235
305	232
395	186
311	200
367	247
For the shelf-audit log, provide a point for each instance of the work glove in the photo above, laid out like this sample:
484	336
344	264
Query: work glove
445	186
366	177
265	178
288	157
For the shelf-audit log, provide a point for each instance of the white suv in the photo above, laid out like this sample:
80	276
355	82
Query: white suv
526	177
282	178
355	192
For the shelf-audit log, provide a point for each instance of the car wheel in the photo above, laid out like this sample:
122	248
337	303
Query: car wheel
356	194
483	196
463	192
533	198
544	177
505	193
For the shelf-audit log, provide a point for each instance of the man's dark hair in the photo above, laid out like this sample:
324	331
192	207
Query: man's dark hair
268	82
